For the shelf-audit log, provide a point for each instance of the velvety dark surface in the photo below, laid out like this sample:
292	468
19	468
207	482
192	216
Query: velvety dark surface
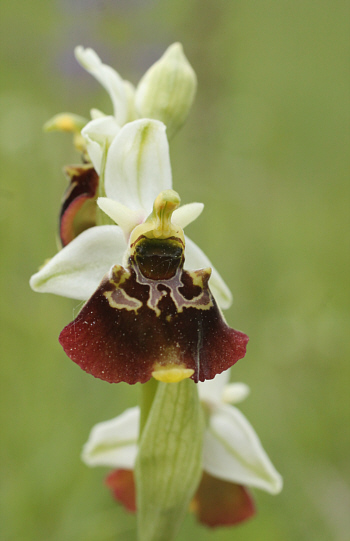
124	340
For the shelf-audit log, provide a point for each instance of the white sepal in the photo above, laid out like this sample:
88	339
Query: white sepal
138	165
114	443
233	452
77	269
108	78
195	258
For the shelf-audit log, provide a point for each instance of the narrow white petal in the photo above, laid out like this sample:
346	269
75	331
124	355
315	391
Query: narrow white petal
98	134
233	452
126	218
108	78
78	268
187	214
138	165
210	391
114	443
235	392
195	258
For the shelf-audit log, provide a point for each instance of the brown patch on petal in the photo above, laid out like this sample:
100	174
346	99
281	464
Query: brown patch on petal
78	209
133	325
221	503
122	485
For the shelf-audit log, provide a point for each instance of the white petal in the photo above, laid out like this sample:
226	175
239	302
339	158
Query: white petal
126	218
233	452
138	165
210	391
79	267
114	443
96	113
187	214
195	258
108	78
235	392
98	134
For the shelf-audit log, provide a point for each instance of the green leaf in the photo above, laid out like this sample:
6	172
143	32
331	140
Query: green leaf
169	462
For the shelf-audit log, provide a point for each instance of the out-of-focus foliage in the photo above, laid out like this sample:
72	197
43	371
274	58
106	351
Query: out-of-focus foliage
265	149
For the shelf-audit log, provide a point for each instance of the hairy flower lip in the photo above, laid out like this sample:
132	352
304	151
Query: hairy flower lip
130	326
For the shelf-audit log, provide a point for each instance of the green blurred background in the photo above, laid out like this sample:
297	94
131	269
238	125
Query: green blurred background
265	149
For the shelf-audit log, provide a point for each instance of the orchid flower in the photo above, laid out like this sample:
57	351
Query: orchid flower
137	168
165	92
150	317
233	457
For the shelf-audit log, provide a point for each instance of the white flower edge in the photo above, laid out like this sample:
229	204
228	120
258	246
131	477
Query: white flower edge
232	451
76	270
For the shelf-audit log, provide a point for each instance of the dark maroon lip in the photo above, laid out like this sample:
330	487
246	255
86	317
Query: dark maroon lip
128	326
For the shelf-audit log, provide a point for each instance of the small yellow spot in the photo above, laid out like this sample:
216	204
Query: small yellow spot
65	123
170	373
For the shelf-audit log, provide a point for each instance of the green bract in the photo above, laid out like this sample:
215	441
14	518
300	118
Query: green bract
169	462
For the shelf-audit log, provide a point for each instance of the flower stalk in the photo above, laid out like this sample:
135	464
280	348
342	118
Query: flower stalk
169	462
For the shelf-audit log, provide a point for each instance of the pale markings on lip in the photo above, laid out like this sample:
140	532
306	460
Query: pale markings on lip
118	298
202	302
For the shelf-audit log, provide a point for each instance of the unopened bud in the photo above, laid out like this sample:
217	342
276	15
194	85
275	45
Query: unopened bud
167	89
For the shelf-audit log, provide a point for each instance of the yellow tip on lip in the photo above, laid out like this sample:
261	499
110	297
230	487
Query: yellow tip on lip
171	373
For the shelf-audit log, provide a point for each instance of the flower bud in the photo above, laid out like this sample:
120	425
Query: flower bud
167	89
